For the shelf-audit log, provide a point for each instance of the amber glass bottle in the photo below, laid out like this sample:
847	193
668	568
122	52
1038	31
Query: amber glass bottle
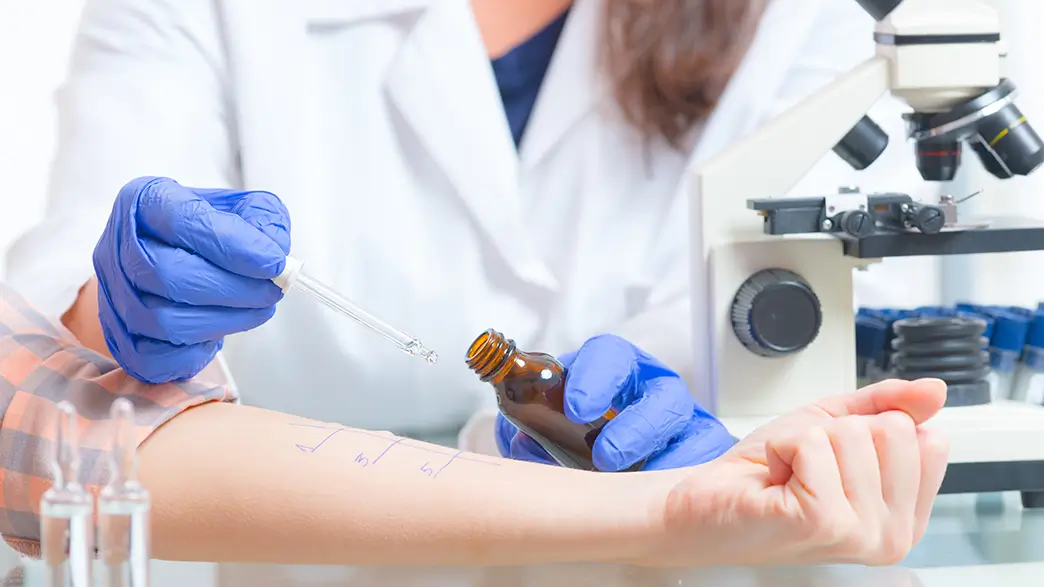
531	393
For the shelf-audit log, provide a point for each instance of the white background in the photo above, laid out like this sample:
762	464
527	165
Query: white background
35	36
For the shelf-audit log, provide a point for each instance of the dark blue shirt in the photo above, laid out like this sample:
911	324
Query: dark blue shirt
521	71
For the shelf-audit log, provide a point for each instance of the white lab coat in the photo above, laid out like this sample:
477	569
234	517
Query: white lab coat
379	124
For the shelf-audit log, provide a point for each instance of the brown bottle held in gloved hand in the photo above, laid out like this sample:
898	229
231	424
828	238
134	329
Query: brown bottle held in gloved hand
531	394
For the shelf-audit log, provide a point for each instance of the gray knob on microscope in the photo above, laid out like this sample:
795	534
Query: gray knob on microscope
776	313
857	223
929	219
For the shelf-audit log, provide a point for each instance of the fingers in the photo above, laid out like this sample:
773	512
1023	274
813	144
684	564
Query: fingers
894	436
181	218
865	484
180	276
152	361
703	440
646	426
856	456
150	316
503	432
806	465
181	324
604	367
567	359
934	455
524	448
263	210
920	399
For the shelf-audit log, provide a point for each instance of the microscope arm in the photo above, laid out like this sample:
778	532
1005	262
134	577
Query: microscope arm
767	164
776	156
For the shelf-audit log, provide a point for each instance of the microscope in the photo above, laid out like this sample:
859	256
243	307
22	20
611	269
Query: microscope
775	301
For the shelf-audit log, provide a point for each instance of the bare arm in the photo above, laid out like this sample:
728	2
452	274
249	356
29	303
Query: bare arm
82	319
289	490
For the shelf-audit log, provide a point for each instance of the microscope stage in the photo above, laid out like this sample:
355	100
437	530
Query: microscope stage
993	447
999	235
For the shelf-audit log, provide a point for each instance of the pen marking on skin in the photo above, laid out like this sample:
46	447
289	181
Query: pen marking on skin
363	461
318	446
385	451
448	463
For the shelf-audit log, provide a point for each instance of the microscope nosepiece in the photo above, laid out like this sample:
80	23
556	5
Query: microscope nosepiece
1007	144
938	160
998	132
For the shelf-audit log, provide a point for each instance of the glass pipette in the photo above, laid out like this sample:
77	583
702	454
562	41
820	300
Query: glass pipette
66	511
293	278
123	508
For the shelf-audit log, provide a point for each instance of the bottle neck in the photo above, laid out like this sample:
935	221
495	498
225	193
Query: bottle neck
491	356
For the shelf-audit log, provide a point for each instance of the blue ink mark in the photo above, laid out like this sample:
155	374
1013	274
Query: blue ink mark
448	463
385	451
401	442
309	449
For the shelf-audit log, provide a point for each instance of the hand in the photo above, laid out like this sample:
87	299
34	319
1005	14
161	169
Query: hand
851	479
180	268
658	419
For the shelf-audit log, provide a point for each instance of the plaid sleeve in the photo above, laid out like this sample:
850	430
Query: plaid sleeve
41	364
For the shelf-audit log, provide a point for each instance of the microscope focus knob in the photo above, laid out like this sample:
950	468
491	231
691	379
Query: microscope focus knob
929	220
857	223
776	313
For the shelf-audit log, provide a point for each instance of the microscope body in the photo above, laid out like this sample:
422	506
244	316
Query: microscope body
778	311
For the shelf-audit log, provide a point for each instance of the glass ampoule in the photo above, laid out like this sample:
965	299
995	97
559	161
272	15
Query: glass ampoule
530	388
67	511
123	508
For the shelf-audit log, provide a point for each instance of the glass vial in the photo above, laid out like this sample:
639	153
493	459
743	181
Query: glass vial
530	391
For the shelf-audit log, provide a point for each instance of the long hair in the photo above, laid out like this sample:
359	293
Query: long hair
671	60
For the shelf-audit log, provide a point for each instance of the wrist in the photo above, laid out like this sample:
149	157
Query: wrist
628	522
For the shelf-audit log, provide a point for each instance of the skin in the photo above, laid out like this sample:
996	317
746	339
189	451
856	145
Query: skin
849	480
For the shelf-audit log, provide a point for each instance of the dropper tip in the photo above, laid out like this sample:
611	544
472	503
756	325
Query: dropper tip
430	356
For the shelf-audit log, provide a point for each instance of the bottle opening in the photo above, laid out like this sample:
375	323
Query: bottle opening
490	355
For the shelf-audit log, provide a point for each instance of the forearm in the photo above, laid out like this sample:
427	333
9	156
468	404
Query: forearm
82	319
234	483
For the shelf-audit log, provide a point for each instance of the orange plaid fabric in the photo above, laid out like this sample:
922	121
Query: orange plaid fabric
41	364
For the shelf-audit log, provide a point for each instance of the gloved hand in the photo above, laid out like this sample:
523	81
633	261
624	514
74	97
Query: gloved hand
658	418
180	268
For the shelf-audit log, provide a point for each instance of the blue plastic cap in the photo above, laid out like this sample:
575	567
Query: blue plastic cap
1040	307
877	313
871	337
934	311
1026	312
1009	332
969	307
1036	331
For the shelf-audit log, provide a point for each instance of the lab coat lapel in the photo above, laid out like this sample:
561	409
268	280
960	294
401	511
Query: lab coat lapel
442	83
573	86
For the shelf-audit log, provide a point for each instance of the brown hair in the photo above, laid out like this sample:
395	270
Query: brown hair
670	60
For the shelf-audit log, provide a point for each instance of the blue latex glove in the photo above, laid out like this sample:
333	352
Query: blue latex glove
180	268
658	418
